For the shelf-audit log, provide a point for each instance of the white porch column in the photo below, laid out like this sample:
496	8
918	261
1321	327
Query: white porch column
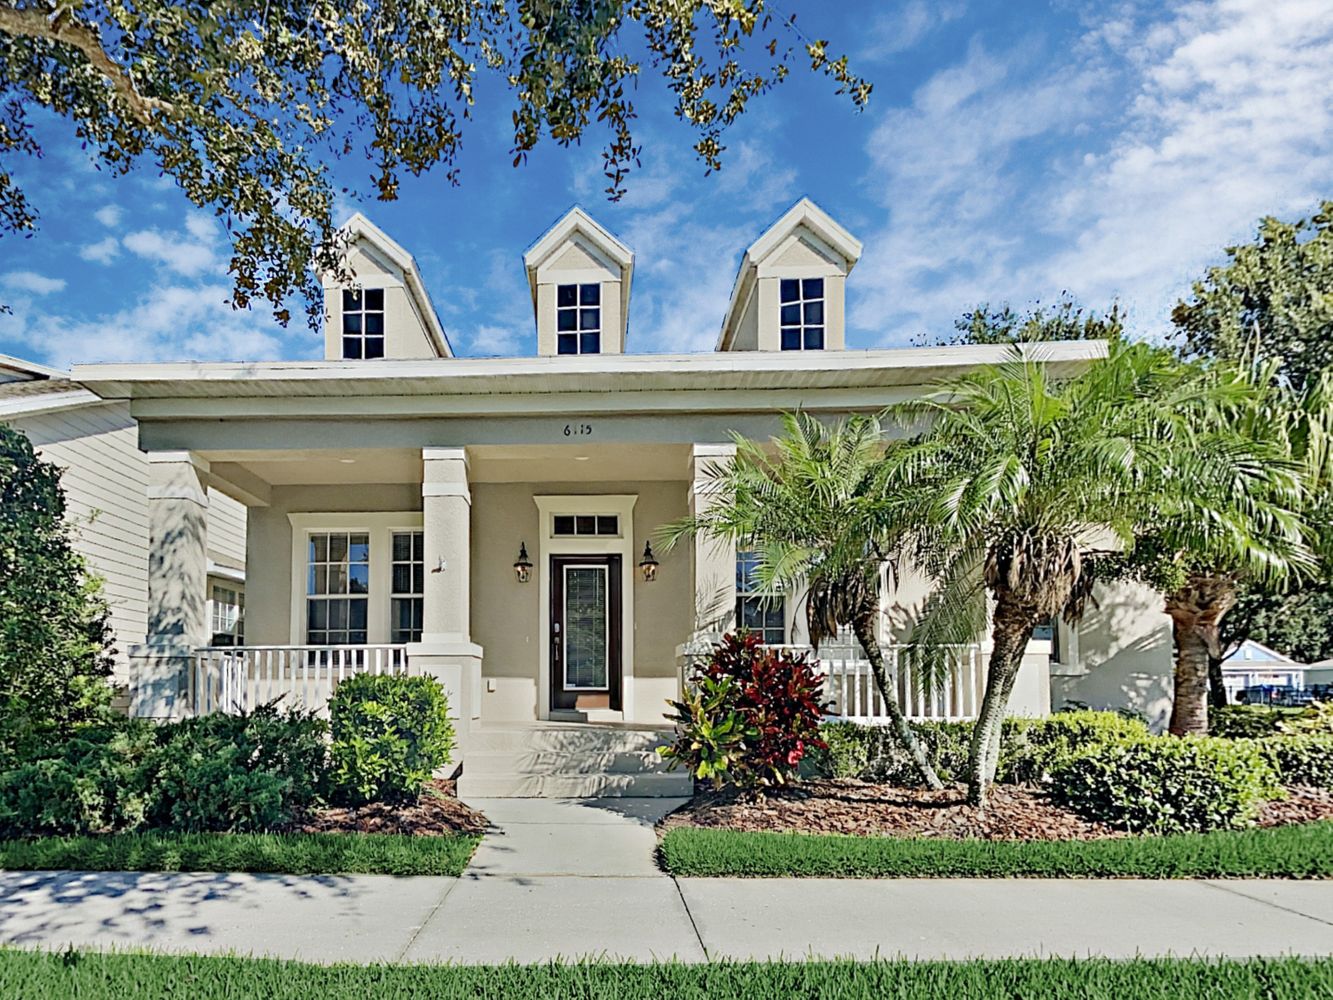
446	650
712	560
177	584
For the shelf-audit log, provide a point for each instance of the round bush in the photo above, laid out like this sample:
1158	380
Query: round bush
1168	784
390	734
1301	760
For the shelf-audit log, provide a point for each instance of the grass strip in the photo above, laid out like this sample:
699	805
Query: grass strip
96	974
285	853
1301	851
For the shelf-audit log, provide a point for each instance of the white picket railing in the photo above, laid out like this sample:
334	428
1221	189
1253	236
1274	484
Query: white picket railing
239	678
849	684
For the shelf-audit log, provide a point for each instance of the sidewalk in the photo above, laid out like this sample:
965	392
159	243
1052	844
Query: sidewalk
563	879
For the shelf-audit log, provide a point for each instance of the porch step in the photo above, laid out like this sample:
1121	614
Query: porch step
568	760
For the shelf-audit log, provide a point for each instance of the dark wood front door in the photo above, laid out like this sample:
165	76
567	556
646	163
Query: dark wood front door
585	632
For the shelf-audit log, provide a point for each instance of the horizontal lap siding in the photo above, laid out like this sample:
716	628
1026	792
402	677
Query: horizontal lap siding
106	481
226	530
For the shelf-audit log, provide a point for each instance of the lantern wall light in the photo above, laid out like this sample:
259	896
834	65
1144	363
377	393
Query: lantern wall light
523	565
648	564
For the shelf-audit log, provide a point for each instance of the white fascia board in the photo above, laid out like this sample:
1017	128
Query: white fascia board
385	377
51	403
25	369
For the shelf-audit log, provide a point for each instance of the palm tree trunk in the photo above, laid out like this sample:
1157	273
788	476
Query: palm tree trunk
1217	689
1011	629
865	635
1196	611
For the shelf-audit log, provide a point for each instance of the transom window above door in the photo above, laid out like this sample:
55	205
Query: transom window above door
802	304
363	323
578	319
575	525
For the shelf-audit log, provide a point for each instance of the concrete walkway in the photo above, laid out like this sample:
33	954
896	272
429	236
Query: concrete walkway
576	878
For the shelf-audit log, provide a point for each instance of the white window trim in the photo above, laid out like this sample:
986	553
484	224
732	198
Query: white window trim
549	544
780	599
380	527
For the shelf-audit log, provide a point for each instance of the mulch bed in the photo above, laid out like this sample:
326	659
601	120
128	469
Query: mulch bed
854	807
436	813
1014	812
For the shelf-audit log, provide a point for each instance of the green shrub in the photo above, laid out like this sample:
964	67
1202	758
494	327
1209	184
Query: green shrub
251	772
1168	784
390	734
1301	759
1248	721
99	782
1031	749
749	716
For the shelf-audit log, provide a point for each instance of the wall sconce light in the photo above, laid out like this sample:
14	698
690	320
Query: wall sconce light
648	564
523	565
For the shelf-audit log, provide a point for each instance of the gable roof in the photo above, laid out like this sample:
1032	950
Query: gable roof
358	227
1260	654
804	214
577	222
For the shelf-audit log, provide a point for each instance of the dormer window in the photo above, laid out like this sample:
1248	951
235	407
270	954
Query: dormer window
802	302
578	319
363	323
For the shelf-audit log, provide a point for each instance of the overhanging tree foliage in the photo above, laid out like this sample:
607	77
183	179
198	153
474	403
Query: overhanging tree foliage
54	629
241	102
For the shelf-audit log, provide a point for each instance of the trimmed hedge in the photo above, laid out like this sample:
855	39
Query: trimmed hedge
1248	721
390	734
1304	851
1300	760
1168	784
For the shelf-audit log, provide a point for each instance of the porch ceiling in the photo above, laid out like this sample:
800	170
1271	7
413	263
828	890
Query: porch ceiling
572	463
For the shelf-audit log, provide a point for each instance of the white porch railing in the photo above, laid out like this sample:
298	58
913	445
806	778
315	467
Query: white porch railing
239	678
849	684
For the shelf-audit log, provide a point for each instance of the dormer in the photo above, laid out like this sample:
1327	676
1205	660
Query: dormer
789	292
386	313
579	276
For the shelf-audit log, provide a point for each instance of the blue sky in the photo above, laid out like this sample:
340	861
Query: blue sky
1011	152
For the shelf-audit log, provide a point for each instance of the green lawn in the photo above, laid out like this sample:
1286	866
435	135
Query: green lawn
286	853
1288	852
91	974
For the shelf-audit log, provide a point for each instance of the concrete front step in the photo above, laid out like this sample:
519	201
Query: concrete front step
539	762
568	760
575	786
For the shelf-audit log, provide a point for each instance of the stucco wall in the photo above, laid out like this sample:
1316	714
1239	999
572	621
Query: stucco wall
1125	655
506	613
404	326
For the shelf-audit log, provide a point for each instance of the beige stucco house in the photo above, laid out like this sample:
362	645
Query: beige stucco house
105	478
490	520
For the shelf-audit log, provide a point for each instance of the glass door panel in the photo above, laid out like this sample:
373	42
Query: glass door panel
586	633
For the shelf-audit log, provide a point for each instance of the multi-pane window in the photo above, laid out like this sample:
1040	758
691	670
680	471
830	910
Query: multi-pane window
585	524
408	586
802	314
578	319
337	588
363	323
228	616
757	610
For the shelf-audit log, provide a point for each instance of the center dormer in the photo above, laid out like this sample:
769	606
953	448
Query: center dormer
789	292
579	276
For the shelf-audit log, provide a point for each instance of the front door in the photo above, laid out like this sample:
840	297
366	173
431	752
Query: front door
585	632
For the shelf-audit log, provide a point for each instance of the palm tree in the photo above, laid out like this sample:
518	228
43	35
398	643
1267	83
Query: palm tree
1234	528
814	511
1022	488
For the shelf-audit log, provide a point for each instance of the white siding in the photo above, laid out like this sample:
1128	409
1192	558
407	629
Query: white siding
226	530
105	480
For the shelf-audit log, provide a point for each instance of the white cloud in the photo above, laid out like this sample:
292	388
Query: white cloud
1119	169
184	253
169	323
32	282
101	252
904	26
108	215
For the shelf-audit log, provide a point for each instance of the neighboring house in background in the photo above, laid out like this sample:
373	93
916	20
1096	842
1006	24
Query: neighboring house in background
1253	665
490	521
96	443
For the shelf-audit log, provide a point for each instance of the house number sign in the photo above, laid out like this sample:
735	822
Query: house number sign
578	430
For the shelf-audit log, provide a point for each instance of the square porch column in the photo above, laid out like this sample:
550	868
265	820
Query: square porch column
712	560
446	650
177	585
